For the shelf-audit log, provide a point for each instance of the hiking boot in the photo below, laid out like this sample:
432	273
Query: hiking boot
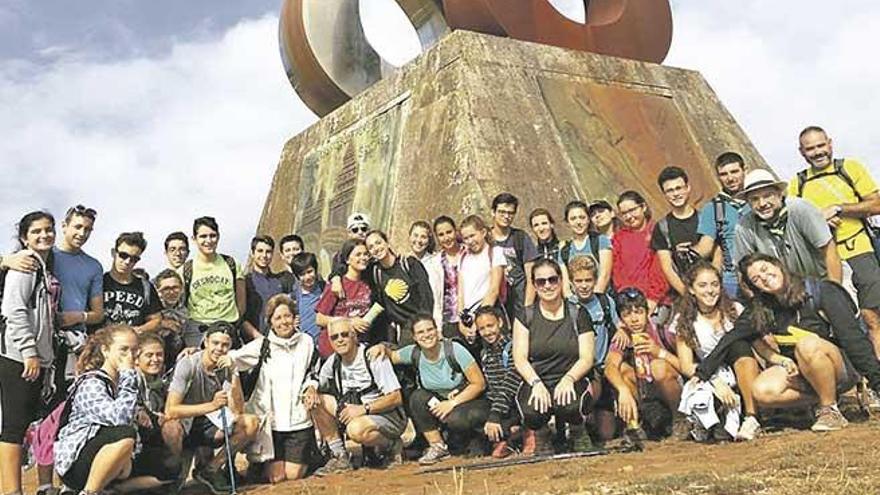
214	479
749	429
47	490
699	433
476	447
391	455
828	418
336	464
634	439
501	450
580	439
436	452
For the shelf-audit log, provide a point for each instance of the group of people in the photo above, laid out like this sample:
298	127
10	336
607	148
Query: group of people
478	337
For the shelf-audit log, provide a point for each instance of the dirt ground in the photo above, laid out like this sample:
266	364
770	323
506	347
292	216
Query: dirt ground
785	462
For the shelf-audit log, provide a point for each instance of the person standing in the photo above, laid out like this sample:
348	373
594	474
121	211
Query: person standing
28	308
518	249
720	216
129	299
213	284
847	195
261	284
176	250
635	264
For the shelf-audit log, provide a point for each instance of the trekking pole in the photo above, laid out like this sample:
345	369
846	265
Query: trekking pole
229	460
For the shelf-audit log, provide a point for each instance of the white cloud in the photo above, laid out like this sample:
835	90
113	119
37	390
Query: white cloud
780	66
154	142
151	143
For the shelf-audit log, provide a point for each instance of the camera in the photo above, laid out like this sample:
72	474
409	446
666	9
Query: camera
466	317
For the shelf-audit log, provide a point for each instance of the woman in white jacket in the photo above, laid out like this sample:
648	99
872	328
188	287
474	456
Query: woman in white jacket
286	389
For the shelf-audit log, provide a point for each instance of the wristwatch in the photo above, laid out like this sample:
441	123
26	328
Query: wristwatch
367	409
534	381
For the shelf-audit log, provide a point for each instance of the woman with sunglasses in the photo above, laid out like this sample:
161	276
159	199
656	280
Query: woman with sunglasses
814	326
450	389
480	277
30	301
586	243
285	392
553	351
401	286
443	274
703	315
357	300
635	264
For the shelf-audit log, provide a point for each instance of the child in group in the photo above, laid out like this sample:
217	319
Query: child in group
502	380
644	372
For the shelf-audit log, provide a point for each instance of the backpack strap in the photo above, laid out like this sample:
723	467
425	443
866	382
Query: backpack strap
839	170
801	182
605	303
664	231
449	352
187	279
506	354
519	244
594	245
230	262
147	286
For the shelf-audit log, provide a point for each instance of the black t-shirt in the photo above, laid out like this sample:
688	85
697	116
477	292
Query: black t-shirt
129	303
553	345
681	232
403	292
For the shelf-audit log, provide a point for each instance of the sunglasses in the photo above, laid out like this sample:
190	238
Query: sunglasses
340	336
630	293
81	211
125	256
549	281
359	229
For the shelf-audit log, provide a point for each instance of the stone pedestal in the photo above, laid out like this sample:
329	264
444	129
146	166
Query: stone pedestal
477	115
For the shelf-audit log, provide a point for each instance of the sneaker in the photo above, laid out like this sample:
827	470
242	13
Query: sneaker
214	479
501	450
436	452
336	464
476	447
828	418
749	429
48	490
391	455
681	427
634	439
580	439
872	400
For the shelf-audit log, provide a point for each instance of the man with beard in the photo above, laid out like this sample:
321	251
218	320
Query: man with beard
720	216
847	195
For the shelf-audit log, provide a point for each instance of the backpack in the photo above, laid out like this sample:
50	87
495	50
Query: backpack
354	396
727	264
506	354
872	231
682	260
66	406
249	378
448	353
188	274
565	250
32	301
607	322
377	271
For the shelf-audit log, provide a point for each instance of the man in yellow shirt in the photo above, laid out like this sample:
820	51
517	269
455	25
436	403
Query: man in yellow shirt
847	195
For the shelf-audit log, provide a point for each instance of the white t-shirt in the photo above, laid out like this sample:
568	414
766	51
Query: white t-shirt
707	337
356	377
475	273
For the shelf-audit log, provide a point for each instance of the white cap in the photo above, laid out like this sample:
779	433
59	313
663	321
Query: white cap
356	219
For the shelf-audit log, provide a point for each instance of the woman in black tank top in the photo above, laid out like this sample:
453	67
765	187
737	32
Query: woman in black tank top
553	352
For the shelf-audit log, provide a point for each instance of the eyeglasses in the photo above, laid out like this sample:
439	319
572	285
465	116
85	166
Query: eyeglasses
178	250
81	211
359	229
549	281
506	213
631	211
126	257
340	336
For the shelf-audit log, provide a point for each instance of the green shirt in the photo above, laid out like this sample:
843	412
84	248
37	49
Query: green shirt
212	291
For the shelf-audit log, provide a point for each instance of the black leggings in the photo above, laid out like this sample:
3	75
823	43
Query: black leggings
465	418
19	401
573	413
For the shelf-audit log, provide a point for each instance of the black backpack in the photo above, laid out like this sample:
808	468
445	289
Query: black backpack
249	378
840	171
353	396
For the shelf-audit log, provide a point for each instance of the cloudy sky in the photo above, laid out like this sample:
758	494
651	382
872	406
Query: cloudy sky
155	112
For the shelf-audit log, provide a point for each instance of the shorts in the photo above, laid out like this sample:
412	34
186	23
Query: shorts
19	401
297	447
390	424
202	433
78	474
866	279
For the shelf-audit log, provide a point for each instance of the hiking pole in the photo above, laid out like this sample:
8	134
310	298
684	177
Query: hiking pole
229	460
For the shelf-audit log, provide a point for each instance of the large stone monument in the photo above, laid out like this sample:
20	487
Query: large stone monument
478	114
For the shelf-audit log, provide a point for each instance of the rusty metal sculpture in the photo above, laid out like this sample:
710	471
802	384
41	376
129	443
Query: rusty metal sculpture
329	60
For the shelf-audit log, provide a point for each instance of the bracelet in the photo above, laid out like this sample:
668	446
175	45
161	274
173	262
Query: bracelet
569	377
534	381
662	354
367	409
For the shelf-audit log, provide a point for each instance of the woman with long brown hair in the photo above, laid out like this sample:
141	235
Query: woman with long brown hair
703	315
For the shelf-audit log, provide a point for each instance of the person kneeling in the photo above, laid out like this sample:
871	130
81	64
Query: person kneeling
644	373
450	387
360	395
96	439
553	350
203	395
